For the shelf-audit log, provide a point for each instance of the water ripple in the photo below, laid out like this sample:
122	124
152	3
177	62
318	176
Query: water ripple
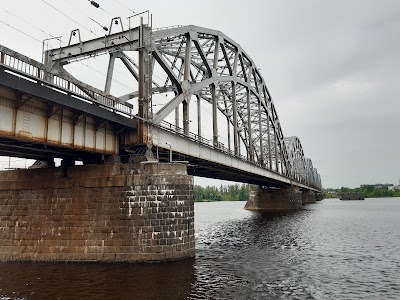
330	250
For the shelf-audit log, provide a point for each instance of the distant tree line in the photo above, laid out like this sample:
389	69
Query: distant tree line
235	192
368	191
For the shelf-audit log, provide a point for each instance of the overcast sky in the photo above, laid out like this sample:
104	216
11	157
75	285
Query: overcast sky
332	67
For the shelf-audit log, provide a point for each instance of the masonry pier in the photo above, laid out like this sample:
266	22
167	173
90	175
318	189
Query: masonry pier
276	200
113	212
309	197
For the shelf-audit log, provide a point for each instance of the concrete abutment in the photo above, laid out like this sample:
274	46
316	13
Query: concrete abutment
113	212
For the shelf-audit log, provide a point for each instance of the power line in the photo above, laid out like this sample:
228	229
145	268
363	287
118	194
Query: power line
105	28
49	34
123	5
81	11
20	31
96	5
41	42
70	18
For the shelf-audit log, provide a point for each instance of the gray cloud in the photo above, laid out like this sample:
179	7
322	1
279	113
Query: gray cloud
332	67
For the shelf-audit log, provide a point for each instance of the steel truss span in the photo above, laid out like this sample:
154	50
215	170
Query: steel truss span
208	65
193	67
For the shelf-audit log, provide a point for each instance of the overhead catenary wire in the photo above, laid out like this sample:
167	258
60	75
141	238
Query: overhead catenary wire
123	5
30	24
20	31
73	20
41	42
96	5
81	11
104	28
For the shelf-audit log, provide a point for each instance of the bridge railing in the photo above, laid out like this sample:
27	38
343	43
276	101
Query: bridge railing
167	27
207	143
220	147
26	67
194	137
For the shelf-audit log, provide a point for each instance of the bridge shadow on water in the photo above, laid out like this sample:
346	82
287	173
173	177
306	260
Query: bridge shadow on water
23	280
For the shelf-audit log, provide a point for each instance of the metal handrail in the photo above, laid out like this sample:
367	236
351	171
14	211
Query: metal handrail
167	27
24	66
220	147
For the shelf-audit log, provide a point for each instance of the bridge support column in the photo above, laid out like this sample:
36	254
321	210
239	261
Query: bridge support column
309	197
274	200
109	212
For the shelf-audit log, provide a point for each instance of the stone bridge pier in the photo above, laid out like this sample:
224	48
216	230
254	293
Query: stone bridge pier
309	197
276	200
114	212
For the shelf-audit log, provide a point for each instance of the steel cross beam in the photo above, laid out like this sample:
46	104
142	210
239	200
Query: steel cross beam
122	41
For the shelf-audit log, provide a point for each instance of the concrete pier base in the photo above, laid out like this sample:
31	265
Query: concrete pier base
309	197
274	200
110	212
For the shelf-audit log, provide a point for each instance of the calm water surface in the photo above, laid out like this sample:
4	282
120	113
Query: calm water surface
330	250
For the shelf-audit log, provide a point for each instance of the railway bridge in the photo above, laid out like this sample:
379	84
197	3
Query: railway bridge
131	198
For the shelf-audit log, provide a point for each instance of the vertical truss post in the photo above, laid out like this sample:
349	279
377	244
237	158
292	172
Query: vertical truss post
229	134
214	93
279	157
276	151
47	61
188	57
144	80
186	118
249	129
234	105
235	124
198	116
269	144
239	147
214	114
177	117
250	154
261	154
186	76
110	72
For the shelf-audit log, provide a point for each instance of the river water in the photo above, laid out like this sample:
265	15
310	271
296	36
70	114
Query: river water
329	250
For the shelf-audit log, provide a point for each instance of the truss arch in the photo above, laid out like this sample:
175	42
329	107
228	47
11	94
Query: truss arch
218	71
211	68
